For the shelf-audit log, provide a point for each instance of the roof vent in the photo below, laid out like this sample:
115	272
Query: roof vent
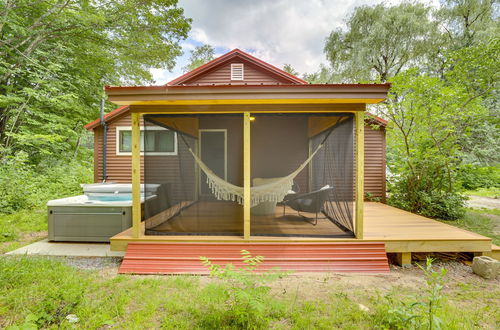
237	71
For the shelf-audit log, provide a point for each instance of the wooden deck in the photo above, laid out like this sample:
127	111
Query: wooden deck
401	232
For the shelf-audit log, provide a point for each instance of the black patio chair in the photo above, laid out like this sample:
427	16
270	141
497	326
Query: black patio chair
311	202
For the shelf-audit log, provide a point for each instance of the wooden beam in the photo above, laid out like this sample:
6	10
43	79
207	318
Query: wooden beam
403	259
360	165
246	175
136	175
252	108
120	100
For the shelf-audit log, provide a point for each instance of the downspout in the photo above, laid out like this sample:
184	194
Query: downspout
104	142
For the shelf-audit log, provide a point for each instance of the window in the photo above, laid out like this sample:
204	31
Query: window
155	141
237	71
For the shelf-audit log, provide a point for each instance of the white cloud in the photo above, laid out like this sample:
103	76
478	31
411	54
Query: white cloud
278	31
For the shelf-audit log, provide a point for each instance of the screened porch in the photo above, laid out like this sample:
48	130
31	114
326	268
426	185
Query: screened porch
302	175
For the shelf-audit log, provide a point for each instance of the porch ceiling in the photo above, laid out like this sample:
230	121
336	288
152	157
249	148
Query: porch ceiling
248	94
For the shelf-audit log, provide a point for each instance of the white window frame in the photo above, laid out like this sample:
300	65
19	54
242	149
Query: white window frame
118	129
242	71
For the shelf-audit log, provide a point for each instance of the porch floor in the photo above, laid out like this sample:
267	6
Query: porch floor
225	218
401	231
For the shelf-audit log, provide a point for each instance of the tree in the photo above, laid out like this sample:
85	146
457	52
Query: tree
289	68
56	55
199	56
382	41
323	76
467	22
429	119
443	105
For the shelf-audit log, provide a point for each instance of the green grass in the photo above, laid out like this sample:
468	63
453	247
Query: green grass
493	192
41	292
475	220
25	221
21	228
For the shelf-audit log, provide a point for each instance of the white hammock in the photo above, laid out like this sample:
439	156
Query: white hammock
270	192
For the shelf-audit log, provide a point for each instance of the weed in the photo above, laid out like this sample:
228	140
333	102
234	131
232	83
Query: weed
421	313
433	299
247	296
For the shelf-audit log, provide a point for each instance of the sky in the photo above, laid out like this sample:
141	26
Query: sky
276	31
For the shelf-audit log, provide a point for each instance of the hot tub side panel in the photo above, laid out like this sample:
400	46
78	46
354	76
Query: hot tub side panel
87	224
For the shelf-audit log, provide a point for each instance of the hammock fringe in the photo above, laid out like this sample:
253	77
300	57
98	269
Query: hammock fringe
269	192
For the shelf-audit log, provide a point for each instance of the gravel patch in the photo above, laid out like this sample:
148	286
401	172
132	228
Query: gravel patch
483	202
92	263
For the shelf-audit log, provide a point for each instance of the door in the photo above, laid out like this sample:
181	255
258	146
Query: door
213	152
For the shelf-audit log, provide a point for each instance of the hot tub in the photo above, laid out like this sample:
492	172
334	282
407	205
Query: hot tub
102	212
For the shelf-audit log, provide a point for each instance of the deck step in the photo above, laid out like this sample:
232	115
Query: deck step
184	258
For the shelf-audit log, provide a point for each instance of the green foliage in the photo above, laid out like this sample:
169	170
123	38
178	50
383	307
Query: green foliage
493	192
421	313
13	226
56	56
468	22
323	76
246	294
473	177
381	41
369	196
443	205
433	298
429	119
443	107
27	186
289	68
199	56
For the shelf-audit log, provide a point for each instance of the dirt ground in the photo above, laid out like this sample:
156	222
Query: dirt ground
314	285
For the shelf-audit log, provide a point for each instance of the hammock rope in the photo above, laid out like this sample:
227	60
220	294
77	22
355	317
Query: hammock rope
270	192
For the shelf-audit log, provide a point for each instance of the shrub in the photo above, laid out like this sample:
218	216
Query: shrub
473	177
434	203
26	186
441	205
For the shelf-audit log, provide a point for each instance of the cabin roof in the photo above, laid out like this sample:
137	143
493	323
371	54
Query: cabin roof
243	57
195	85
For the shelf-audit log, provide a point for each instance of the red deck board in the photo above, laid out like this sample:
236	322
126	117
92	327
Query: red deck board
184	258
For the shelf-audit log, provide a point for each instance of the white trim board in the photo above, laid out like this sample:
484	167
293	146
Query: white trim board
118	129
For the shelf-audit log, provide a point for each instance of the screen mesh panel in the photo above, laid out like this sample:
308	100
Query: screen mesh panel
320	201
184	203
193	174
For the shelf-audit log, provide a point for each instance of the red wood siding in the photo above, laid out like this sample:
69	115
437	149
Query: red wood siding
119	167
375	162
221	75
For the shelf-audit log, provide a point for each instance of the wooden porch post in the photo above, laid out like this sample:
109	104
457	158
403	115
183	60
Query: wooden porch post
136	175
360	165
246	175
